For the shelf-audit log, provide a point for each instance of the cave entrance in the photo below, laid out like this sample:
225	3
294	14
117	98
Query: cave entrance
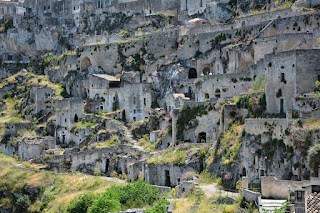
85	64
202	137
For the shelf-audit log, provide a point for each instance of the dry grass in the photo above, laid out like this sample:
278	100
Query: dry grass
205	205
58	189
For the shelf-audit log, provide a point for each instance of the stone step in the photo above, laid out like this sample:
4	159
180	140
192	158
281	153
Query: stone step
269	204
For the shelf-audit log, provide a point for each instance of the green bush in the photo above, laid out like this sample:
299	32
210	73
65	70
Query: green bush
116	198
102	205
160	207
22	204
81	203
314	158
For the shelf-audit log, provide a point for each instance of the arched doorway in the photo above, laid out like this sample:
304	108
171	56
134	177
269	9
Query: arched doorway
76	119
206	71
244	172
217	93
85	63
192	73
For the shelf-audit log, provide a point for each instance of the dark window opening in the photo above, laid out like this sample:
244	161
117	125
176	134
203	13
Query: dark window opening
193	73
217	93
300	196
206	96
190	94
244	172
76	118
107	165
281	106
282	77
167	174
114	84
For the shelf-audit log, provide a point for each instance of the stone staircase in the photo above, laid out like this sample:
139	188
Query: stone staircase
269	205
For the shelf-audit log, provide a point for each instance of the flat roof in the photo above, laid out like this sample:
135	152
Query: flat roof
180	95
107	77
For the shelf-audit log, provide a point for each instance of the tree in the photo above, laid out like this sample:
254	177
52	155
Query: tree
82	203
314	158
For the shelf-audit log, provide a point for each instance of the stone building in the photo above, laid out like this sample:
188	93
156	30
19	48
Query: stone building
30	148
68	112
42	98
134	98
289	74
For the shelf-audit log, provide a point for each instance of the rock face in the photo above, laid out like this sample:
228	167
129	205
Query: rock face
219	12
29	43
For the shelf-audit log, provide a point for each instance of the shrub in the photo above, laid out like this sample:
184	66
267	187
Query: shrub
160	207
259	83
44	133
116	198
314	158
102	205
6	25
22	204
81	203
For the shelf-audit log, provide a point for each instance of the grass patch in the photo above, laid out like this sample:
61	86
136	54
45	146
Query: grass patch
179	154
56	190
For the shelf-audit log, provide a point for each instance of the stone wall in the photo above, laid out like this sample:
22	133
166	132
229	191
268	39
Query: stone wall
294	24
216	86
167	175
14	128
271	187
252	196
260	126
264	17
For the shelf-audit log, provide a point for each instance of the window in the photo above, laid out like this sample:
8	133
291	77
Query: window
300	196
192	73
99	4
217	93
283	77
206	96
145	101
